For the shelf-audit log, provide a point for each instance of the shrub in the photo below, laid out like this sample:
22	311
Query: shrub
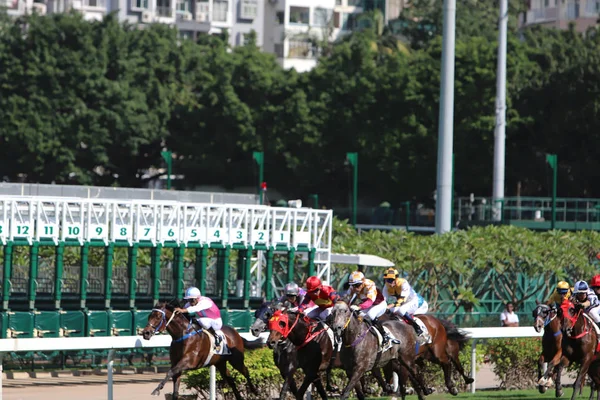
515	360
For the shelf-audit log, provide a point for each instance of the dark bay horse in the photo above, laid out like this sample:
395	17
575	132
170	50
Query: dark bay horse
545	318
314	348
360	350
191	347
580	340
447	341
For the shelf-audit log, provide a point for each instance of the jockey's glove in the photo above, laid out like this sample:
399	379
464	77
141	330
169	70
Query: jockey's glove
355	307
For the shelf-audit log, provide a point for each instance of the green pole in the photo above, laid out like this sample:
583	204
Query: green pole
108	273
225	283
33	273
8	251
315	200
179	254
58	275
452	196
552	159
168	157
352	159
200	267
259	157
311	262
269	275
132	267
247	269
407	212
83	284
156	252
291	264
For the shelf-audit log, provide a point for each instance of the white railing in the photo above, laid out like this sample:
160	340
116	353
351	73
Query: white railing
126	342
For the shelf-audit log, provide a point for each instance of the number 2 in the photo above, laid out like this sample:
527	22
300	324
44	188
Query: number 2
22	230
261	236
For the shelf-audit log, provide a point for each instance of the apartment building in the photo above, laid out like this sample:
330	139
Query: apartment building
560	13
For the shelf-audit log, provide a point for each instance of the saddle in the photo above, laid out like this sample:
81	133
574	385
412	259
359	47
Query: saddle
222	350
596	329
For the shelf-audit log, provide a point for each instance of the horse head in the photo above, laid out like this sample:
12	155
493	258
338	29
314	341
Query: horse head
340	317
542	316
159	319
263	314
568	314
281	325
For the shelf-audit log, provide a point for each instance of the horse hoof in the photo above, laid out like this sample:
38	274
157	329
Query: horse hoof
542	389
333	389
559	393
453	391
430	390
156	392
468	381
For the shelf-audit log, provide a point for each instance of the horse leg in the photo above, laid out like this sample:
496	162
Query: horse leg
446	368
237	362
174	371
330	387
308	379
557	379
222	367
540	367
354	375
320	388
288	383
379	378
585	365
453	355
176	383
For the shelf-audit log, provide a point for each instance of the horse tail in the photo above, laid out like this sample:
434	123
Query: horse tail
455	334
253	344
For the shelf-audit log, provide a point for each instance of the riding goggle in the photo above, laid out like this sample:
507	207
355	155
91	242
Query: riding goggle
291	295
355	284
390	280
562	291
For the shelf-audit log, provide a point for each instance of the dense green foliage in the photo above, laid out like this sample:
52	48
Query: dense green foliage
477	265
95	103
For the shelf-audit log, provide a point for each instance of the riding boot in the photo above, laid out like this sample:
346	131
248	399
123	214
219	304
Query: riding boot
384	335
217	337
412	321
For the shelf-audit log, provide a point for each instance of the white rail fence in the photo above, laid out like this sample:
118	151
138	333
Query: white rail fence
129	342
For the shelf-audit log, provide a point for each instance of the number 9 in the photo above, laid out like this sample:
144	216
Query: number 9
98	231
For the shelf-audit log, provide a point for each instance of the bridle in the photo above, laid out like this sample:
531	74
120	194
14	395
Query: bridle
163	321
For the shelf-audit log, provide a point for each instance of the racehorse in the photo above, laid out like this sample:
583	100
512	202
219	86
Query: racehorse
447	341
285	356
360	352
545	318
580	340
191	348
314	348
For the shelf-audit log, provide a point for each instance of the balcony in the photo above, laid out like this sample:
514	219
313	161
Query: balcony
541	15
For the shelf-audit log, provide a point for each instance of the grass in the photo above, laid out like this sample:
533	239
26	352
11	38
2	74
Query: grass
500	395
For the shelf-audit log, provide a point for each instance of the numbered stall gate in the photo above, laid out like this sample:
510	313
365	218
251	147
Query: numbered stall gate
88	260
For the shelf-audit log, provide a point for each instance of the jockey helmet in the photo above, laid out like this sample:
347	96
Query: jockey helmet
356	278
562	287
581	287
192	293
391	273
292	289
313	283
595	282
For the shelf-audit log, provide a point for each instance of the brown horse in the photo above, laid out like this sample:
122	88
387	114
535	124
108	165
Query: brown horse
360	351
191	348
447	341
545	318
579	342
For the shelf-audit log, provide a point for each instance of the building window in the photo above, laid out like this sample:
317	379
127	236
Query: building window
301	48
321	16
338	2
220	8
202	7
249	9
94	3
280	17
182	6
299	15
348	22
163	8
10	4
139	4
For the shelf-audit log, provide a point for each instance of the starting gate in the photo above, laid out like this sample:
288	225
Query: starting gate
131	253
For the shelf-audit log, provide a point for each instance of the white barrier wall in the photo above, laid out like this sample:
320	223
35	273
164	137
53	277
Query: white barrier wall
126	342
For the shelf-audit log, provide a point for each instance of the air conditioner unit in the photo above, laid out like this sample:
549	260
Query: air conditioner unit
184	16
146	16
39	8
202	17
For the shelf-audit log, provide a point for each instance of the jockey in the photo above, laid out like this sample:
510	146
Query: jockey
206	312
293	295
595	285
371	302
585	297
323	296
563	291
408	302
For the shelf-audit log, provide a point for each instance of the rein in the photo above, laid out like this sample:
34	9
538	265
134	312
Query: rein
279	316
157	329
360	337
